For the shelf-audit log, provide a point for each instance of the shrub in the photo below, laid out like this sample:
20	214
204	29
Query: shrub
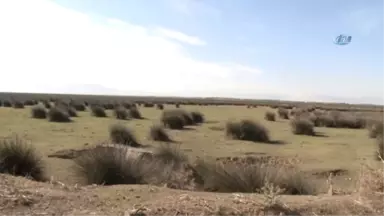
121	113
108	106
247	130
71	111
134	113
176	118
336	119
177	105
149	105
158	133
38	112
187	117
127	105
20	159
251	178
29	103
283	113
110	166
172	121
169	154
376	129
380	147
7	103
160	106
270	116
197	117
302	126
47	105
119	134
18	105
98	111
56	114
79	107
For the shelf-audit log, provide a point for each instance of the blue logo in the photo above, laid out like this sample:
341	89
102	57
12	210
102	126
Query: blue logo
343	39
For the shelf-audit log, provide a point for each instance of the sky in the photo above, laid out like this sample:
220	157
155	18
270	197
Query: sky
262	49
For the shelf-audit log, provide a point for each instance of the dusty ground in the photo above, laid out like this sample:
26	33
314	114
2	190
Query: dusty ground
20	196
339	150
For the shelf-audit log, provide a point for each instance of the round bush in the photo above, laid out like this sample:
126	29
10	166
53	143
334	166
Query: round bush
134	113
21	159
119	134
283	113
149	105
56	114
178	118
18	105
270	116
38	112
110	166
158	133
197	117
160	106
302	126
247	130
79	107
98	111
7	104
121	113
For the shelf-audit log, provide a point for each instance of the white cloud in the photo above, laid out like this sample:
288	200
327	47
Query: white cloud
43	43
179	36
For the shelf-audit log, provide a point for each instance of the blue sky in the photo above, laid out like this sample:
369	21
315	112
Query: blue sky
245	48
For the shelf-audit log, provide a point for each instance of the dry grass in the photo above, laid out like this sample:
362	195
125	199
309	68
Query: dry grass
98	111
38	112
21	159
121	112
56	114
270	116
250	178
302	126
158	133
341	149
110	166
119	134
247	130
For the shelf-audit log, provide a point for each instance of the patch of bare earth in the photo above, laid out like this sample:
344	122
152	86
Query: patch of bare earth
20	196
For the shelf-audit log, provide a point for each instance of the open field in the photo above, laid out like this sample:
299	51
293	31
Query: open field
340	151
